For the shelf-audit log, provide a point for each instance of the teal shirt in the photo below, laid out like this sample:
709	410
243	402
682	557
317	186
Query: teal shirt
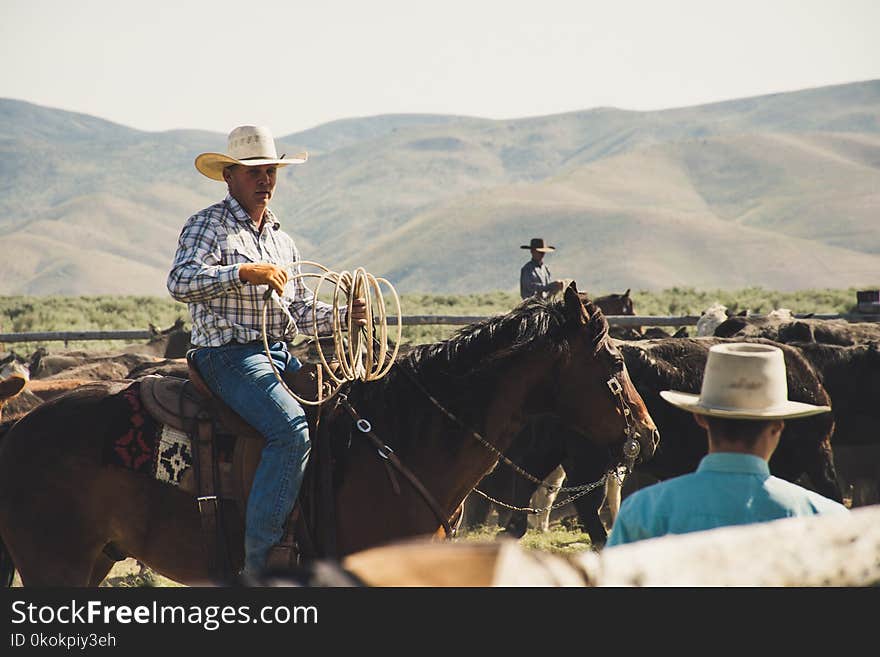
726	489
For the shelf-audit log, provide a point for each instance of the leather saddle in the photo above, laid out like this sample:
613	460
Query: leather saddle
177	403
188	405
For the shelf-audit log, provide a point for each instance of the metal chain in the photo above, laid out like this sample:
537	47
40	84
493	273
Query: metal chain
557	505
492	448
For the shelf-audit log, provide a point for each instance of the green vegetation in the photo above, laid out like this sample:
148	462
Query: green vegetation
22	314
56	313
690	301
560	539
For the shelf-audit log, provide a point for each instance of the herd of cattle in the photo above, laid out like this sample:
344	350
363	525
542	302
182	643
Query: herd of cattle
831	362
828	362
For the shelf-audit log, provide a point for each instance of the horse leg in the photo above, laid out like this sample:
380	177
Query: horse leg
518	524
611	504
476	511
544	497
588	513
58	552
74	567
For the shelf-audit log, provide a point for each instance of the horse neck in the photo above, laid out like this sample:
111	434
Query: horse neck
452	459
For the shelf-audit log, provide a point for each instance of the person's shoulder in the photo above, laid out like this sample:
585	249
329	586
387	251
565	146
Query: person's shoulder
656	493
794	492
211	213
824	504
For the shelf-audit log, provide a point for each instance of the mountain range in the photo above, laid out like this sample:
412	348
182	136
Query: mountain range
780	191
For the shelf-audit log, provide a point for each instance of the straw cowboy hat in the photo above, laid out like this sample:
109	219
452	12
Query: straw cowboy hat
538	244
249	145
743	381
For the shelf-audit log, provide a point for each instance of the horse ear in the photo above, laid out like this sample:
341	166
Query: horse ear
626	294
574	307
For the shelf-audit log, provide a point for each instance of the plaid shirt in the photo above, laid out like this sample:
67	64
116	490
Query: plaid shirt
213	245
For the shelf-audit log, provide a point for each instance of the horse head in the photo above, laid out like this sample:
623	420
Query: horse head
613	304
595	393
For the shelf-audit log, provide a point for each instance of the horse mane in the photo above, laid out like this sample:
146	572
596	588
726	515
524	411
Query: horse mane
531	325
459	370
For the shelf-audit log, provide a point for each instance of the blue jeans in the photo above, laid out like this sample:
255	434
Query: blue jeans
241	376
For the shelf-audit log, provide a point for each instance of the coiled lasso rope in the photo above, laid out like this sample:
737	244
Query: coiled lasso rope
359	361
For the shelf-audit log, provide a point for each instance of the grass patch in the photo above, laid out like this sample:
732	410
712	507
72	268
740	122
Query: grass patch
559	539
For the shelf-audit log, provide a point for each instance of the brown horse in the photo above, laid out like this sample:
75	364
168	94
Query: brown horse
61	506
620	304
616	304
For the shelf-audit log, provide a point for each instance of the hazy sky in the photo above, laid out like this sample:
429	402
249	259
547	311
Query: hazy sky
294	64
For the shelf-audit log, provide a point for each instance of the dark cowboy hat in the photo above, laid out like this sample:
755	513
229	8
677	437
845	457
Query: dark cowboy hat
538	244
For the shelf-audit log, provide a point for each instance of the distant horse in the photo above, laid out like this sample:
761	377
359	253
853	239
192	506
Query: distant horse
172	342
620	304
61	505
616	304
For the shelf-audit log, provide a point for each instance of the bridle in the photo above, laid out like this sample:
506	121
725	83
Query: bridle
631	447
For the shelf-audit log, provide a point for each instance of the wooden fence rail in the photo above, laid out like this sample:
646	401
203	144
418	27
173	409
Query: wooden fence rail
408	320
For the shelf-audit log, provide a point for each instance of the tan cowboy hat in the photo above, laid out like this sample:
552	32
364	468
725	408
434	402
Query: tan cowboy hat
538	244
743	381
249	145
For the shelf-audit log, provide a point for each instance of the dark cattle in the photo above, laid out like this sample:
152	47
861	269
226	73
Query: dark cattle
657	333
825	331
676	364
626	333
305	351
851	375
168	367
35	393
86	365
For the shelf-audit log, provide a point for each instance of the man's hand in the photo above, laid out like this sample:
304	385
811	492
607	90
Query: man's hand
359	312
556	286
262	273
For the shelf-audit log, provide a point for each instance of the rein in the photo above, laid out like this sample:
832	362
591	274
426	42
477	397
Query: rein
388	454
631	449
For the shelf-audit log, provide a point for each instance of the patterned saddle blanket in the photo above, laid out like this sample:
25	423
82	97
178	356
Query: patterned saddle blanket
158	449
162	416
